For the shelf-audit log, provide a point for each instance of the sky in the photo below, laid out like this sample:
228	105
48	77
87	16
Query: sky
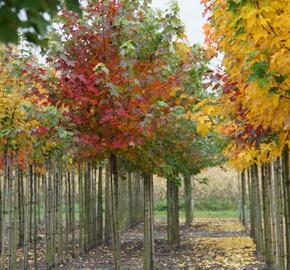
191	14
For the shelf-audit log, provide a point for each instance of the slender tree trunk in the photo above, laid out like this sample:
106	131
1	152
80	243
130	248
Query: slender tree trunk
81	209
39	201
100	207
130	200
148	222
266	185
244	199
259	235
108	216
51	215
273	209
187	200
137	197
4	206
115	212
87	200
54	219
31	201
47	184
10	215
15	229
251	207
73	225
26	218
59	209
279	216
172	212
67	208
286	184
34	217
20	207
94	205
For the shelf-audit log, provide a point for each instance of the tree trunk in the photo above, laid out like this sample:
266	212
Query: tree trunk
266	185
81	208
67	207
172	212
137	197
100	207
148	223
286	183
187	200
59	210
47	204
108	216
26	218
251	206
279	216
130	200
244	199
115	212
73	226
259	235
20	207
4	206
10	215
95	225
34	217
15	229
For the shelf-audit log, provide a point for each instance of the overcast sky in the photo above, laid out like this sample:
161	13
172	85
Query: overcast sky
191	14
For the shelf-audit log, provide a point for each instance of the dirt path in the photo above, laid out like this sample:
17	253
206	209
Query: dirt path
208	244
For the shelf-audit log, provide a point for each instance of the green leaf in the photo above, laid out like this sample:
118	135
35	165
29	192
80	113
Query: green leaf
102	67
281	78
5	132
9	24
259	73
273	90
73	5
162	104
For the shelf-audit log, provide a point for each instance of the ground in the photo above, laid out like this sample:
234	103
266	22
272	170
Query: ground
210	243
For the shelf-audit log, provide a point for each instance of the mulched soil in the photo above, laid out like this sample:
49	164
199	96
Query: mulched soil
190	254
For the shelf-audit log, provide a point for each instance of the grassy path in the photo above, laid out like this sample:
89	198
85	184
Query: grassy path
210	243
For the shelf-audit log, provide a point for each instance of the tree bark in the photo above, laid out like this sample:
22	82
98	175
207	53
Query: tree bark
148	223
20	207
35	217
251	206
81	208
259	235
115	212
172	213
279	216
100	207
244	199
73	225
108	216
187	200
26	218
266	185
286	184
130	200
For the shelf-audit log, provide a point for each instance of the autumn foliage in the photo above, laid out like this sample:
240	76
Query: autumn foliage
253	37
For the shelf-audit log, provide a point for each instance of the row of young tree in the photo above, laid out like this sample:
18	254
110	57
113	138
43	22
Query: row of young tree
265	192
254	106
62	210
119	99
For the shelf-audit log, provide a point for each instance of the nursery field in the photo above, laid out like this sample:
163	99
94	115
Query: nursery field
128	142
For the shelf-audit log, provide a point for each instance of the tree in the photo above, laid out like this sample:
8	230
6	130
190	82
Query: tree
29	18
117	63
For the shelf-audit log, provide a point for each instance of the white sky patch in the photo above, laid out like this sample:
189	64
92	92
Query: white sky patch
191	15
